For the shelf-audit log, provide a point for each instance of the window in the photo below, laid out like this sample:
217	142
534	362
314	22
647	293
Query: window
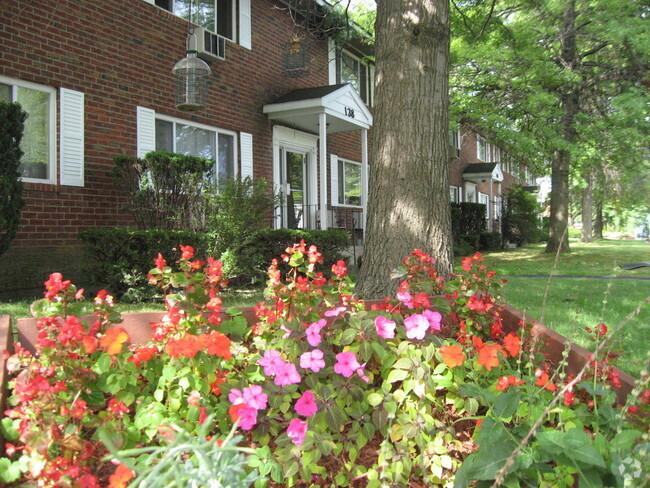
485	200
349	173
454	141
454	194
482	148
348	68
39	136
217	16
496	154
183	137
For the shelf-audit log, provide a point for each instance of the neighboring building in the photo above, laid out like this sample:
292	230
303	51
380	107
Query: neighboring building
95	77
482	172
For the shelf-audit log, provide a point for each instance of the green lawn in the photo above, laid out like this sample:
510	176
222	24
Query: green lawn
575	303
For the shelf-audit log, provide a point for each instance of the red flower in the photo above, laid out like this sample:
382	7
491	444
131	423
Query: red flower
194	398
121	477
466	264
339	269
55	284
507	381
142	355
512	344
187	346
452	356
217	344
116	406
488	355
569	398
543	380
90	344
78	409
214	387
113	339
188	252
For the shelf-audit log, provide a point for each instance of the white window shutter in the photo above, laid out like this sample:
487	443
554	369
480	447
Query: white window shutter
331	58
245	37
246	153
146	131
72	138
334	179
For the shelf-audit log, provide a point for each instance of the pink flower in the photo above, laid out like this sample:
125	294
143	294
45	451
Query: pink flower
297	431
385	328
363	375
235	396
312	360
346	364
416	326
335	312
313	332
287	331
247	416
193	399
254	397
271	362
287	375
433	318
405	298
306	404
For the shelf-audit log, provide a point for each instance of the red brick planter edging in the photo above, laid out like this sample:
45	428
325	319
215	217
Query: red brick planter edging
138	327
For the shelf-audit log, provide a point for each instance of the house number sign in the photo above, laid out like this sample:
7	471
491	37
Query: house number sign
349	112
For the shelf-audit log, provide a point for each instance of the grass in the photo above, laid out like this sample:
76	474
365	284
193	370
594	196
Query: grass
575	303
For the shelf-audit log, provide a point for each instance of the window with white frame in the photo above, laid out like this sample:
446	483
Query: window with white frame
348	68
485	200
182	136
39	133
482	148
349	173
454	141
496	154
217	16
454	194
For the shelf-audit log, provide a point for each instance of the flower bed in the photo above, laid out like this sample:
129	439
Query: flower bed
326	390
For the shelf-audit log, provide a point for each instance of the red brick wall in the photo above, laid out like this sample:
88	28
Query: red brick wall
120	53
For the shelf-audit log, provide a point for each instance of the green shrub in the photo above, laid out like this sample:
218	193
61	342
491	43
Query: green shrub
12	120
471	242
519	221
472	218
489	241
119	259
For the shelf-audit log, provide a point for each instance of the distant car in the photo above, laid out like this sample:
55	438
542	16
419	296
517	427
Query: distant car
642	235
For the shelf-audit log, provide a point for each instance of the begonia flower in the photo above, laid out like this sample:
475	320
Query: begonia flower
187	252
312	360
121	477
287	375
271	362
113	340
417	326
306	404
297	431
385	328
160	262
346	364
339	269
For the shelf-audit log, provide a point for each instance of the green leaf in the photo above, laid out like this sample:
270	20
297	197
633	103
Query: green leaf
375	399
335	418
403	363
126	396
506	404
9	472
7	429
397	375
348	337
103	364
237	326
291	469
580	447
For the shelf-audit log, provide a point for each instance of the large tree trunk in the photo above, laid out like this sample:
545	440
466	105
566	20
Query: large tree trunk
598	219
558	238
408	201
587	207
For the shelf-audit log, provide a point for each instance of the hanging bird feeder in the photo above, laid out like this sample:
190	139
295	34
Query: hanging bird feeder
192	76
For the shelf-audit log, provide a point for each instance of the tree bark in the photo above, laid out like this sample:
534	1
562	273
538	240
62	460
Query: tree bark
587	208
598	219
408	201
558	238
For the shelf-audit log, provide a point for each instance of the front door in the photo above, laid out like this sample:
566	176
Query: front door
294	169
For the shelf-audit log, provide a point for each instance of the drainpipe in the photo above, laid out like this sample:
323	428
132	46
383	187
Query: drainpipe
491	207
364	178
322	149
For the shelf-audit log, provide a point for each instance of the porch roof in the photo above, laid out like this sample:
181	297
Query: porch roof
301	108
479	172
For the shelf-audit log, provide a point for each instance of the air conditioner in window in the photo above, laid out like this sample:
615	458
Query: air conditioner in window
209	46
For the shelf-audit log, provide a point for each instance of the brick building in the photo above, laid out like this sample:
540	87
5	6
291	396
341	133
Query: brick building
95	78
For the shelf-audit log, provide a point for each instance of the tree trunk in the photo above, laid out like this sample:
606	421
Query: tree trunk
587	207
408	201
558	238
598	219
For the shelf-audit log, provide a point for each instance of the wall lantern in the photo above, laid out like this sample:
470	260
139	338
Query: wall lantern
191	87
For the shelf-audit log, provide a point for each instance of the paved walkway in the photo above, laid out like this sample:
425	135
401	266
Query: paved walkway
580	276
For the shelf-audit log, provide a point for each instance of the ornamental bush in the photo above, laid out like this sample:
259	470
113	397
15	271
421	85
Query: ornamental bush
422	387
12	119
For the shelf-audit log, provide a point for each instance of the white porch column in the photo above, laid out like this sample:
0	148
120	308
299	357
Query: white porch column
491	207
322	155
364	178
500	196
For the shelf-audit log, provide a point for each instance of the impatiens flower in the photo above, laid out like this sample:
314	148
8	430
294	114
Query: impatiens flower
113	339
339	269
142	355
90	344
361	374
188	252
434	319
253	396
306	404
236	396
543	380
417	326
186	346
452	356
121	477
334	312
512	344
312	360
193	399
287	332
346	364
488	355
507	381
287	375
405	298
297	431
160	262
271	362
247	416
215	388
385	328
313	332
217	344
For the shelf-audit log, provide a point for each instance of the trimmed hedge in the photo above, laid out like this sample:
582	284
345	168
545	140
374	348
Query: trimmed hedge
468	218
490	241
119	259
